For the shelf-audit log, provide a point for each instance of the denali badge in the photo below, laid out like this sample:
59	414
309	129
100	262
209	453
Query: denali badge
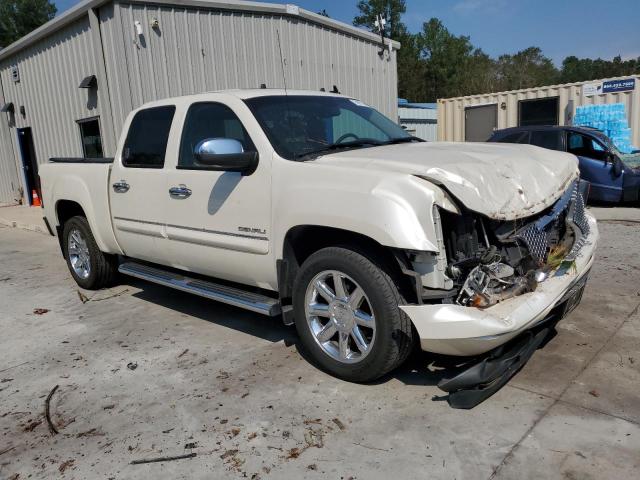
261	231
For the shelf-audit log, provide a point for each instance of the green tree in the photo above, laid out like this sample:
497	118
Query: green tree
452	66
525	69
19	17
576	69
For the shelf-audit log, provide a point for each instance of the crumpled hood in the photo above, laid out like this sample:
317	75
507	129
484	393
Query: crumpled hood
502	181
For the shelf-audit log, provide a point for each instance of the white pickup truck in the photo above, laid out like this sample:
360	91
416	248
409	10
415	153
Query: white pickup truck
316	207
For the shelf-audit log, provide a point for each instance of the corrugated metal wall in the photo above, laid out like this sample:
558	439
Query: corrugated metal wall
421	122
9	182
50	72
196	50
451	110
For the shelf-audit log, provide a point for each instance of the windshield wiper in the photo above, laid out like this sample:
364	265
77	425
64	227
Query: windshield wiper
337	146
408	139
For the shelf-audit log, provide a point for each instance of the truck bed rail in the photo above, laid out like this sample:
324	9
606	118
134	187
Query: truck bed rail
80	160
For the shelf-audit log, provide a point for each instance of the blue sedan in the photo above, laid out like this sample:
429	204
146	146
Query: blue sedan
613	175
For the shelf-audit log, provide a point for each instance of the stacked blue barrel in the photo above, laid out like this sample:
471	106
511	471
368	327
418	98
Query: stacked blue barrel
610	119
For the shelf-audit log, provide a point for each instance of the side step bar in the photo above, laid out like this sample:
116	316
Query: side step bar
213	291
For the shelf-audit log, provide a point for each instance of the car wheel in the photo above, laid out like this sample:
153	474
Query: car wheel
90	268
348	317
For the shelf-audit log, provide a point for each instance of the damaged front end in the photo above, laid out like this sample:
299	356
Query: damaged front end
489	261
482	262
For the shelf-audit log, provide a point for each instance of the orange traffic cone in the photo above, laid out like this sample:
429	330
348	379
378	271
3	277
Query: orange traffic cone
35	199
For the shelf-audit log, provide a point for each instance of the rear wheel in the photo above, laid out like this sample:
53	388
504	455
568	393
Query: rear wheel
90	268
348	317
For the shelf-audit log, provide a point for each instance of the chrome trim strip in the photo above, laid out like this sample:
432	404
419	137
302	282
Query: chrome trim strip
204	230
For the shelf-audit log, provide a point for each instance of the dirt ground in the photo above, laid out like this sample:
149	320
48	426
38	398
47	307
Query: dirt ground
145	372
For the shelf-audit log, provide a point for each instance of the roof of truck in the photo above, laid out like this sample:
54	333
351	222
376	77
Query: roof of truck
242	94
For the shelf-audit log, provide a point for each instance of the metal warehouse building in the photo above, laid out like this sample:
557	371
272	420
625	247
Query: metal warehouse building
419	119
67	87
475	117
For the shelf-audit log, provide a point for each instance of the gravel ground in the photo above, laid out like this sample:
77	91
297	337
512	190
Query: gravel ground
145	372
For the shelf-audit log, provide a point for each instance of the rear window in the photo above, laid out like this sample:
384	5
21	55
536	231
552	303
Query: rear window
550	139
517	137
146	143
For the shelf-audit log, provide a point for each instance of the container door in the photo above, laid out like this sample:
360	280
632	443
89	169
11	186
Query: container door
480	122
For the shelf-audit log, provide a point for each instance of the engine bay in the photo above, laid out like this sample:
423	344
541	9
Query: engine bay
489	261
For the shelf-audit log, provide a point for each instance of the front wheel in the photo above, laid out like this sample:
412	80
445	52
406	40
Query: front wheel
90	268
348	317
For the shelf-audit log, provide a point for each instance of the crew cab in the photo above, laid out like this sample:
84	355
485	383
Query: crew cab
316	207
613	176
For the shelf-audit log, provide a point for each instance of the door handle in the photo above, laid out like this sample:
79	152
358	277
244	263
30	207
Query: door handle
181	191
120	187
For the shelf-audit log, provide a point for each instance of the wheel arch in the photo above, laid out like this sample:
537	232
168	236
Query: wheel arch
301	241
65	210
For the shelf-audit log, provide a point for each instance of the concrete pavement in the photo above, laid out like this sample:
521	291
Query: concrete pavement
146	372
23	217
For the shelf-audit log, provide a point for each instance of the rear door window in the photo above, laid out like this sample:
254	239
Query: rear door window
516	137
146	143
551	139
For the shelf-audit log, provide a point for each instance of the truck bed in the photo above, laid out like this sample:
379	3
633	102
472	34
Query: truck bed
85	182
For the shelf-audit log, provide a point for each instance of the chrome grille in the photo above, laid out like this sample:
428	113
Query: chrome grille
570	208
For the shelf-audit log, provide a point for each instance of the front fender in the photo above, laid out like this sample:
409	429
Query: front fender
395	210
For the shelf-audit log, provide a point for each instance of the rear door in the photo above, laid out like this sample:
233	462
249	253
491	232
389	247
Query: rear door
138	186
592	155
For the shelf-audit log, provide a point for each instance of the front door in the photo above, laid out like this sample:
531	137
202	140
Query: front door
29	163
216	220
606	186
480	122
138	190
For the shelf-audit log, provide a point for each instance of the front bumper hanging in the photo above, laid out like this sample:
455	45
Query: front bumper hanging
479	379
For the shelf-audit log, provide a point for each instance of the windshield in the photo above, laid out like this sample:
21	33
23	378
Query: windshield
303	125
631	160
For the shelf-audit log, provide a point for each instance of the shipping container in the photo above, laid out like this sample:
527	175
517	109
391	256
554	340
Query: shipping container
475	117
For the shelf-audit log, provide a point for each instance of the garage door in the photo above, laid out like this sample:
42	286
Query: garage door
480	122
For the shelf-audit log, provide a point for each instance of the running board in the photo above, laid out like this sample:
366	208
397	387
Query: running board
213	291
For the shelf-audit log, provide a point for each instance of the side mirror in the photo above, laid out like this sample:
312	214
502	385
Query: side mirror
608	157
617	166
225	154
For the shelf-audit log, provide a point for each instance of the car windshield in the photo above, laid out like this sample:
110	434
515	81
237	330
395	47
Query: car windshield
305	126
632	159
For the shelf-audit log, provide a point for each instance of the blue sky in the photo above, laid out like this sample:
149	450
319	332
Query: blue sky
586	28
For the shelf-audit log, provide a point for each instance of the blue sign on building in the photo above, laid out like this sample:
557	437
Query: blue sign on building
618	85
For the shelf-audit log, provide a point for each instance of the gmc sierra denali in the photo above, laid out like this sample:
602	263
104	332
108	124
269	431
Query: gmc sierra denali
316	207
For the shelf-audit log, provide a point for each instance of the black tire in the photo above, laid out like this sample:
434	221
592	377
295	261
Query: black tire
394	333
103	267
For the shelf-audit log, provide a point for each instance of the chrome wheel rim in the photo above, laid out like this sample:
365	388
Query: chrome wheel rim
79	254
340	316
